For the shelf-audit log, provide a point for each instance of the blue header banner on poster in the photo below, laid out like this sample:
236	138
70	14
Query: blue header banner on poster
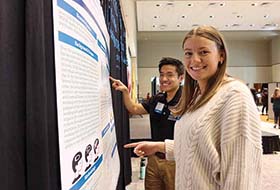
62	4
76	43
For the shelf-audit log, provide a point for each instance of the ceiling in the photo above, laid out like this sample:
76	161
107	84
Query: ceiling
242	20
156	20
226	15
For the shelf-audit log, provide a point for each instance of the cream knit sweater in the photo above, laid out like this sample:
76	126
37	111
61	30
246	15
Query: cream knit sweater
218	146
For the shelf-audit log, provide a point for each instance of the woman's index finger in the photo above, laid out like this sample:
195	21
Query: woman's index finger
130	145
112	79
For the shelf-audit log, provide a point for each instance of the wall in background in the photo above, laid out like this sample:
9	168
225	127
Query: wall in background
249	75
249	61
275	59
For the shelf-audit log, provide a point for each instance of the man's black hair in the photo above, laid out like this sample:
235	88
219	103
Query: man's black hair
180	69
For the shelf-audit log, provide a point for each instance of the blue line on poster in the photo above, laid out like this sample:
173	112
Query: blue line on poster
101	46
87	175
77	44
105	130
112	126
114	150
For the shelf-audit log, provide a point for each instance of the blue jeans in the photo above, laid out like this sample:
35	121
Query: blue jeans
276	116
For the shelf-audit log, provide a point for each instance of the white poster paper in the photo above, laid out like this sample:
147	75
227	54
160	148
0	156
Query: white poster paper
89	157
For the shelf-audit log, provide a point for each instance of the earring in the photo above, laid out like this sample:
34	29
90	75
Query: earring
220	62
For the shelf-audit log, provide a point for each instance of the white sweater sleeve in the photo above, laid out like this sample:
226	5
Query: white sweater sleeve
169	149
241	149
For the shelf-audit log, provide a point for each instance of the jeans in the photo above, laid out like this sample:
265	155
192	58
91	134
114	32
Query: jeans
160	174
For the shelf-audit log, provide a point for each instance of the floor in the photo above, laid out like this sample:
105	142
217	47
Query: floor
137	183
271	162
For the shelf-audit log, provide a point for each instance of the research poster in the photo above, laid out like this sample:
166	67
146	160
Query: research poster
89	157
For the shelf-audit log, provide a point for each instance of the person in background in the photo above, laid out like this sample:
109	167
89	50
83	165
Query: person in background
217	141
264	101
148	96
160	173
254	94
276	107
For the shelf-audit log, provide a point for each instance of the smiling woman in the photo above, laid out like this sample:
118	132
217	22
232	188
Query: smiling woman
218	132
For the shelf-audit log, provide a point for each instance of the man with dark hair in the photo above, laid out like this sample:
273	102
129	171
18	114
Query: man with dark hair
160	173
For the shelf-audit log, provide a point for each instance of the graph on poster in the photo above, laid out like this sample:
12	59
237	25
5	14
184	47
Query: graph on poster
87	141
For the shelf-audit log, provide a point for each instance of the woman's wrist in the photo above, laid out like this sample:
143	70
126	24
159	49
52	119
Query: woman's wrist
161	147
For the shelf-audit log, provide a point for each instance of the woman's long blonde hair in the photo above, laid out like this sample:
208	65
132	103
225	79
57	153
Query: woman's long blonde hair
191	90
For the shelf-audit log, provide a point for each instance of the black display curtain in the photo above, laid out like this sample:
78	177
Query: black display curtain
28	130
12	98
118	70
42	148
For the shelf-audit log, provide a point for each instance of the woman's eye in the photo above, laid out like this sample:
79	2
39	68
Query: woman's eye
188	54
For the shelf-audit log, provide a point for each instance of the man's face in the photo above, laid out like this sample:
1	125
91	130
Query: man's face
169	79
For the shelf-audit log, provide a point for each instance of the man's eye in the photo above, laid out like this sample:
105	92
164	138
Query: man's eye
204	52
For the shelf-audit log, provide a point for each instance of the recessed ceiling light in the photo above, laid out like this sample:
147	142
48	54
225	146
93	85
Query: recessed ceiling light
178	25
212	4
254	4
235	25
171	4
265	4
155	16
154	25
211	16
239	16
183	16
163	26
271	25
157	5
190	4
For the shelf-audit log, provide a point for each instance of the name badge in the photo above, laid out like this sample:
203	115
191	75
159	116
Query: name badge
159	107
173	118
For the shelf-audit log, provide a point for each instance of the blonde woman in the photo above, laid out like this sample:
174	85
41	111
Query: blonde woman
276	107
217	140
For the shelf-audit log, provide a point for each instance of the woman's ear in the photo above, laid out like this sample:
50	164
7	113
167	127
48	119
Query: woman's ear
222	57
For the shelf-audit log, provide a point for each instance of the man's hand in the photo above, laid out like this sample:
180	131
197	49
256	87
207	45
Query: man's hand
118	85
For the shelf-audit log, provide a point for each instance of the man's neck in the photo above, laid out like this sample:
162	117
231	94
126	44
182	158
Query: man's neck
170	95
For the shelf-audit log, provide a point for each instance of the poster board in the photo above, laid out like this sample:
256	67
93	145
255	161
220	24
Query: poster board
87	139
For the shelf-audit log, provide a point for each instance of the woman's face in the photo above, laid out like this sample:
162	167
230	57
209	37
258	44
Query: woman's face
201	57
